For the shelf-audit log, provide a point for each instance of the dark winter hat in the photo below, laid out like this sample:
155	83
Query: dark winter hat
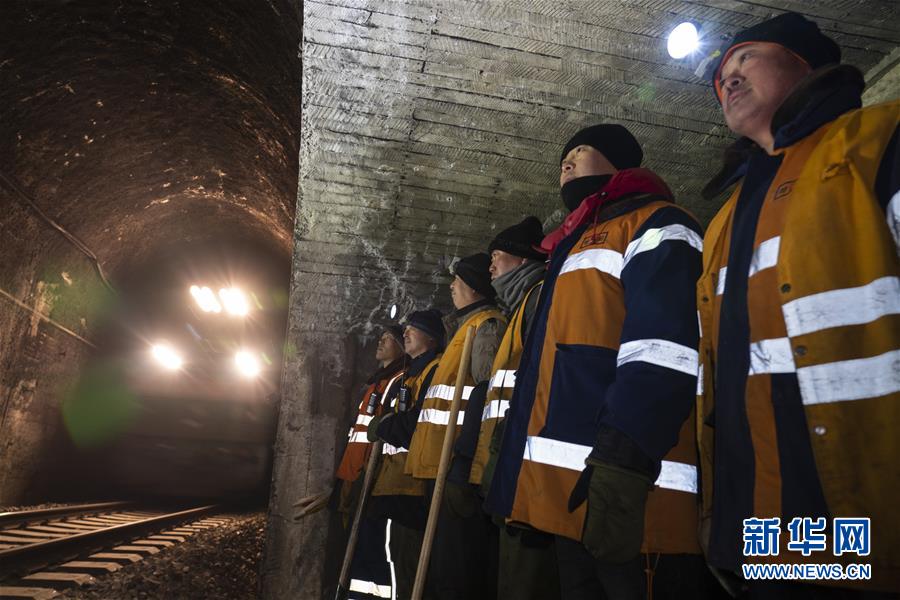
395	331
430	322
614	141
790	30
474	271
521	239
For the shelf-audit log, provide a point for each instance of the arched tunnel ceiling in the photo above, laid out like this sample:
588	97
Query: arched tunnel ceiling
428	125
136	124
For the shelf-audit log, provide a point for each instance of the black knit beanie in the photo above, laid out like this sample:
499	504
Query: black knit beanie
790	30
474	271
396	332
430	322
521	239
613	141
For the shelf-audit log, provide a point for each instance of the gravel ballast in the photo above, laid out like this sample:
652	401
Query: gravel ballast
221	562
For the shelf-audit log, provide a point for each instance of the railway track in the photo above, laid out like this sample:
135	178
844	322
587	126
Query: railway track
45	551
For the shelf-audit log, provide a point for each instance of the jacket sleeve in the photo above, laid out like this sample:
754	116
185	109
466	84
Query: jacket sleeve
531	303
484	349
887	186
398	429
466	443
656	371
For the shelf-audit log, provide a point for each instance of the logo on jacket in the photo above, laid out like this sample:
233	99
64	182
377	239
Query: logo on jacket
784	189
593	239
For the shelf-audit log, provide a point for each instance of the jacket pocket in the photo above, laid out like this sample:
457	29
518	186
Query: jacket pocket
581	376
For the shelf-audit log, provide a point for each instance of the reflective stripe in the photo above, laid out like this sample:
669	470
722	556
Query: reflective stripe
700	380
359	437
370	587
439	417
848	306
390	449
662	353
495	409
503	378
893	219
720	282
652	238
364	420
390	560
602	259
771	356
850	379
445	392
765	256
677	476
556	453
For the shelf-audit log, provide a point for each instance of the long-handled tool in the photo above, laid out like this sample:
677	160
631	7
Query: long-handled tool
443	467
343	589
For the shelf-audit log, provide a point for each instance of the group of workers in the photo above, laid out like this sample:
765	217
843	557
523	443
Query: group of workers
638	391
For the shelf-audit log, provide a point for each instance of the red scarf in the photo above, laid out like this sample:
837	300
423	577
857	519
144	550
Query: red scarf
625	182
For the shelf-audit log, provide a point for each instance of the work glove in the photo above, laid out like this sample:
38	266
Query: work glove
493	454
372	430
617	497
461	499
310	504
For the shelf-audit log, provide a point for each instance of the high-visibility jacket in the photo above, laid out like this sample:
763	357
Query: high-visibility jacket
823	307
425	448
358	446
391	479
500	387
613	344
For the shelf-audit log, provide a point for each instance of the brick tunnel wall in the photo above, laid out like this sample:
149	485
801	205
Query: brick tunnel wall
429	125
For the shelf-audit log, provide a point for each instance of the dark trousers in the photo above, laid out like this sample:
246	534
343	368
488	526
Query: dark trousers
527	569
669	576
370	571
463	563
406	544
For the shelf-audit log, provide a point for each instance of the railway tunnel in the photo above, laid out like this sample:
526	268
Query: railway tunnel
149	146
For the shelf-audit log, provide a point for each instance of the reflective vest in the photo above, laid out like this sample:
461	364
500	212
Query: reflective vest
358	446
425	448
823	301
579	349
391	479
500	388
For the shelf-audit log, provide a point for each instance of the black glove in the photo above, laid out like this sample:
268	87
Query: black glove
617	498
372	431
461	499
493	454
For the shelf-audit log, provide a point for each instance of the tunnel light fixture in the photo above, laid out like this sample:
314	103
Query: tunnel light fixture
683	40
393	310
235	301
167	356
247	363
205	299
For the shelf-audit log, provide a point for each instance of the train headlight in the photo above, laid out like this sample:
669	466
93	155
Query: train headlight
235	301
166	356
247	363
205	299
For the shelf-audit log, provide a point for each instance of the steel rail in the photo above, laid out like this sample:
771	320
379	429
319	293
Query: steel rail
27	516
22	559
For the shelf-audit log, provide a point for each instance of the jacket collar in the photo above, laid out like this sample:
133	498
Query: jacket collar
418	364
453	320
624	184
824	95
388	371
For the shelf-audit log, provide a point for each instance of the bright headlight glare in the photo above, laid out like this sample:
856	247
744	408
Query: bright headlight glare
235	301
247	363
205	299
166	356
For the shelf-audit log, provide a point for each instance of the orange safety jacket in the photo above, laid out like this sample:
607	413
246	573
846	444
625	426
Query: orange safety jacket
613	342
358	446
500	387
425	448
391	479
823	305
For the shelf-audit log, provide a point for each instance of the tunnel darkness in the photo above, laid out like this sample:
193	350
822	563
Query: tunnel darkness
147	130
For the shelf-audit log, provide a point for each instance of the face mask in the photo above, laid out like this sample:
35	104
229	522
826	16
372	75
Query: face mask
576	190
